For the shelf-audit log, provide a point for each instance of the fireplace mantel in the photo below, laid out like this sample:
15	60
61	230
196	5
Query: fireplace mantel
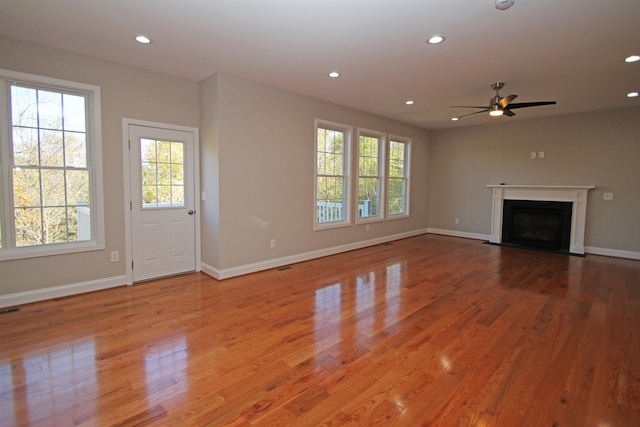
577	194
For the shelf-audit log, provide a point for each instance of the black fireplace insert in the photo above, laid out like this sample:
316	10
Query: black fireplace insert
537	224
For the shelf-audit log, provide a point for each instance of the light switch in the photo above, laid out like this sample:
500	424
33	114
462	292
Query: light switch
541	154
533	154
607	196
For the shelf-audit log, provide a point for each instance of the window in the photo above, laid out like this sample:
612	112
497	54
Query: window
162	169
332	175
50	157
398	178
370	175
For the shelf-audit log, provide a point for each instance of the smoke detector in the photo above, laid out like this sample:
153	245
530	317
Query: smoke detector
504	4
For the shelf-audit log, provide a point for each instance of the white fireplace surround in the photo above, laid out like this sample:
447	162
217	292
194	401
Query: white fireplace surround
553	193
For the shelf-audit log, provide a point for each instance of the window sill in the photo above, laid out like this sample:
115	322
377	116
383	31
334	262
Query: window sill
54	249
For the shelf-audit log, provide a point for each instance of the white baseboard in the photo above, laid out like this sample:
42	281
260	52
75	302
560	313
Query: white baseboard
26	297
455	233
616	253
612	252
226	273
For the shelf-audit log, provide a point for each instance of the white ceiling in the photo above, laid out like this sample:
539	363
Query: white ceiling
570	51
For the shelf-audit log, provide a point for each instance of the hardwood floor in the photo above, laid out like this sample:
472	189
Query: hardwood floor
431	330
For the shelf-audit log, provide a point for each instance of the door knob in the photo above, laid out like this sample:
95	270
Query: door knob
191	211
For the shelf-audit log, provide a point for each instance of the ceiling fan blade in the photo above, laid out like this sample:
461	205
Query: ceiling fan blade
466	106
475	112
506	100
530	104
507	112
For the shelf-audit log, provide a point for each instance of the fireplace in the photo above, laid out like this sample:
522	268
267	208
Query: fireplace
537	224
576	196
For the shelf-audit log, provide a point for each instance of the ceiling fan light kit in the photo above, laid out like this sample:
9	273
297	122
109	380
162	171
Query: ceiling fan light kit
499	105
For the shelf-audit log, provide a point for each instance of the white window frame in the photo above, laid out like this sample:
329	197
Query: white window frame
346	168
382	182
94	164
407	175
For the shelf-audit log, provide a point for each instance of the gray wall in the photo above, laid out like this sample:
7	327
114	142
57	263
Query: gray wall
258	144
125	92
599	148
257	167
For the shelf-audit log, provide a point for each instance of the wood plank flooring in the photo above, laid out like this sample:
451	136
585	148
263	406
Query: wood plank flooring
426	331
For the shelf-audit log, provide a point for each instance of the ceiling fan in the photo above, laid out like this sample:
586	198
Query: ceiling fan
499	105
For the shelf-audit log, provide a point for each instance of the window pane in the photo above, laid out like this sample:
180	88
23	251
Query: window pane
177	174
53	187
163	151
177	195
75	147
368	197
164	195
26	187
28	224
148	173
54	221
74	111
149	195
49	110
51	148
78	189
82	221
164	173
177	152
24	107
147	150
25	146
396	159
396	196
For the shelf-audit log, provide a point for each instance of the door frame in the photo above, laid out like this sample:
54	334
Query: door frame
128	252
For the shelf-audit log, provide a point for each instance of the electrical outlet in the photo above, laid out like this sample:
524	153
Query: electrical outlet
272	243
115	256
607	196
541	154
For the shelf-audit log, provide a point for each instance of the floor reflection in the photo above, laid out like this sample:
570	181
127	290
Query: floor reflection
43	384
165	365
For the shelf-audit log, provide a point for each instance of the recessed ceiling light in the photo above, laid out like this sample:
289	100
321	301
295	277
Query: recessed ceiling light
143	39
632	94
436	39
334	74
409	102
632	58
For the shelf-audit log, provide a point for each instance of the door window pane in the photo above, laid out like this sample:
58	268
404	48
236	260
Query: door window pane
162	173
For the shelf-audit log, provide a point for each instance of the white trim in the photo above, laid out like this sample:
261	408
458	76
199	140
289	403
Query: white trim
94	166
60	291
126	122
221	274
456	233
407	176
382	171
347	174
617	253
577	194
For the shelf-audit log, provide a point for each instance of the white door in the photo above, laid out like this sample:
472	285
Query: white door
162	201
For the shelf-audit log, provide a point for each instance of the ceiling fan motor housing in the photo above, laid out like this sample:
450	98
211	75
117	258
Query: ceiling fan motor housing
504	4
